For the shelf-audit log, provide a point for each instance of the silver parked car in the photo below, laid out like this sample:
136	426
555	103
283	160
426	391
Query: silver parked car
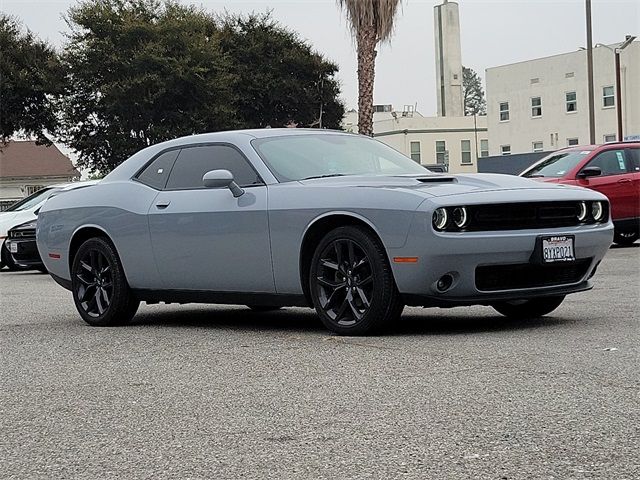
343	223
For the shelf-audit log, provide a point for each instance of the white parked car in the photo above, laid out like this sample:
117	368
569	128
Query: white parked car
26	210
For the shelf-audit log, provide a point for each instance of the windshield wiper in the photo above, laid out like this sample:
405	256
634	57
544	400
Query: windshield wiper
535	175
325	176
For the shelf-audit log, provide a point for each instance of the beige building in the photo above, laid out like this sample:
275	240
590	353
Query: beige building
542	104
26	167
453	141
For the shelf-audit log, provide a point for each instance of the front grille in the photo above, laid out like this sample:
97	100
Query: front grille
30	233
529	275
519	216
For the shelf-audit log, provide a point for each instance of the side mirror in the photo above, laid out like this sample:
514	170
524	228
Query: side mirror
221	179
589	172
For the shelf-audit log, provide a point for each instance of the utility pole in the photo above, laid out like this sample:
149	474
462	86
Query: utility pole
592	113
618	94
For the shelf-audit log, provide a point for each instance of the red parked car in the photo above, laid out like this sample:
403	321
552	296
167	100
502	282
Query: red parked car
612	169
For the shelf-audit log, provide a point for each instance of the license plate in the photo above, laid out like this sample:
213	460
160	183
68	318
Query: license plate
558	249
13	247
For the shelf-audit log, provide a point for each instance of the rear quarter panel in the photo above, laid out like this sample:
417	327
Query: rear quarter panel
117	208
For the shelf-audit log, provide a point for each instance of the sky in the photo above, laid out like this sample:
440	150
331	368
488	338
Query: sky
496	32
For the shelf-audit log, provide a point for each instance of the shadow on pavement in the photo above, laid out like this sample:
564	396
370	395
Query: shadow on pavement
412	322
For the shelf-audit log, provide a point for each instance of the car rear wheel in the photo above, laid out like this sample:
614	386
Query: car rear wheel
351	283
626	238
532	308
100	289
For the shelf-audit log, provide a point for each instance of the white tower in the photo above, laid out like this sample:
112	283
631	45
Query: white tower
448	60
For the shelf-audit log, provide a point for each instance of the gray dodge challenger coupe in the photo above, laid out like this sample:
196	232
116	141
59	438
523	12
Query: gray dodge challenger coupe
330	220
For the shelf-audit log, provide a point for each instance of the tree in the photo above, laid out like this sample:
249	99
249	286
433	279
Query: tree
30	81
277	79
145	71
371	22
141	72
474	101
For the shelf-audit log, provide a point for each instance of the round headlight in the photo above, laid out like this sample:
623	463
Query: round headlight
440	218
597	211
460	216
582	212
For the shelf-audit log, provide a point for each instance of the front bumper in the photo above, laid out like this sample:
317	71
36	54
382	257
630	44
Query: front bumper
24	252
461	254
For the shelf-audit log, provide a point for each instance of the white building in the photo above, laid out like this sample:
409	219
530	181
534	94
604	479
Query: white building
454	141
542	104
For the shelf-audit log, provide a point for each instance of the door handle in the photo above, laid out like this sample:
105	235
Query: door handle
624	180
162	205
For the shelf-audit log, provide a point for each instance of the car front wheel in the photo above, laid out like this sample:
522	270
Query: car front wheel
351	283
531	308
626	238
100	289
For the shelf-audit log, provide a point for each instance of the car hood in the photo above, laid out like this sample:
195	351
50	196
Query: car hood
434	185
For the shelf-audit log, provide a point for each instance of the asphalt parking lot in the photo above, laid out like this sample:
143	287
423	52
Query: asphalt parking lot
222	392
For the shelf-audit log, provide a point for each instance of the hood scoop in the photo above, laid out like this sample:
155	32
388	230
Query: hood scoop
437	179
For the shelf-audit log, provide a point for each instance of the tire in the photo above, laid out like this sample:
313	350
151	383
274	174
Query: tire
626	238
263	308
100	290
533	308
7	260
351	283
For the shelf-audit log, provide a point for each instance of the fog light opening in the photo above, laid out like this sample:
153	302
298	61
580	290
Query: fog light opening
444	283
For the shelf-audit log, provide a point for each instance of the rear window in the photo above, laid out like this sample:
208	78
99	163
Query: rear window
157	172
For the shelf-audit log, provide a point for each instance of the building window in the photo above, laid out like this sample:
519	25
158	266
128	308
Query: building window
415	151
504	111
484	147
382	108
536	107
611	137
505	149
538	147
572	141
572	102
441	151
31	189
465	148
608	99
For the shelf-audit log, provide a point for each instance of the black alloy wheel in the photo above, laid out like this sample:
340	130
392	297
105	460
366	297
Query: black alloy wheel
626	238
352	286
530	308
100	290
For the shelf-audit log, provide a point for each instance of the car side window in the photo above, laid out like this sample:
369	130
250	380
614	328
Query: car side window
194	162
611	162
156	173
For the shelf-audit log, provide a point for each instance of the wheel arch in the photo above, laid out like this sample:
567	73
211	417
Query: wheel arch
81	235
317	229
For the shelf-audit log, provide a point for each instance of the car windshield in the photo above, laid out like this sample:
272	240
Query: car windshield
300	157
557	164
31	201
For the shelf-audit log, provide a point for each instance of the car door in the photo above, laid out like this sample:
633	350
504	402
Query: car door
205	238
616	181
634	154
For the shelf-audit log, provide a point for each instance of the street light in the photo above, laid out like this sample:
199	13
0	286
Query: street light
627	41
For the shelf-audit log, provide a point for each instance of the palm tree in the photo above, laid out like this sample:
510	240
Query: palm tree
371	22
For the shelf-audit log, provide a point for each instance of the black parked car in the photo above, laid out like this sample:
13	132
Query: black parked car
21	243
